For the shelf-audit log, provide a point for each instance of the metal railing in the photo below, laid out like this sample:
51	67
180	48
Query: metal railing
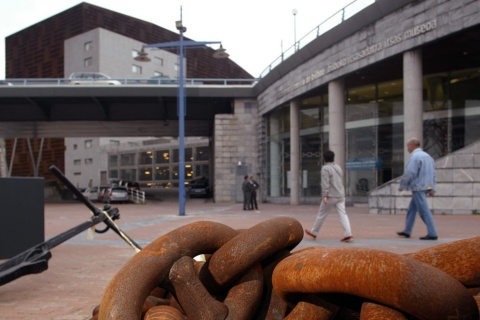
128	81
136	196
332	21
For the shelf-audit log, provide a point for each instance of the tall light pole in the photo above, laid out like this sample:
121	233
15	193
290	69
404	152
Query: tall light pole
181	98
294	12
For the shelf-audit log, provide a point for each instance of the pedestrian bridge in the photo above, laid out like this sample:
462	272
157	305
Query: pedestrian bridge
138	107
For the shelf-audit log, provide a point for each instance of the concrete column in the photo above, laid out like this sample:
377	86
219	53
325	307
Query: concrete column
294	153
336	124
412	98
275	157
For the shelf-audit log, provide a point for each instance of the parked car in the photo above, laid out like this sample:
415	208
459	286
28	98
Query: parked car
91	193
116	194
101	193
5	83
92	78
199	188
130	184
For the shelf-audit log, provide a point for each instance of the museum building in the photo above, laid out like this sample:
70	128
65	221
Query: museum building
394	70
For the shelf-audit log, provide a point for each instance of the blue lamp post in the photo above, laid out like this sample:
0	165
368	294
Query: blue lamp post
181	99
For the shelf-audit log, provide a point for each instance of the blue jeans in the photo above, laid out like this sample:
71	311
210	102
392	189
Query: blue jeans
419	204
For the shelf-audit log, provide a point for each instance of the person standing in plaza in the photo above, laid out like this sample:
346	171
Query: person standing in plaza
333	195
419	177
247	193
254	188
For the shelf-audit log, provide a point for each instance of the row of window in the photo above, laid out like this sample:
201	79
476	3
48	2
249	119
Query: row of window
78	162
158	156
159	168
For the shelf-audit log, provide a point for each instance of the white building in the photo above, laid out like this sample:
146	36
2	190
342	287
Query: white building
100	50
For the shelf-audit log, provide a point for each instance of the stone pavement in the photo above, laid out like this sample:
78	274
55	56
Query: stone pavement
81	268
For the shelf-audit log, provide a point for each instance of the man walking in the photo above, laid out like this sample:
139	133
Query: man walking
333	195
419	177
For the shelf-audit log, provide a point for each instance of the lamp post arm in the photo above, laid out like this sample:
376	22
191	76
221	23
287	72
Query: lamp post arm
176	44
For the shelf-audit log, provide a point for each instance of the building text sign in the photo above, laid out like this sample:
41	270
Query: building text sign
391	41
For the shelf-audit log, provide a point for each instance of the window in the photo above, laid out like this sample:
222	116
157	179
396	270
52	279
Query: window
77	173
158	61
135	53
145	157
88	144
145	174
127	159
88	62
88	160
162	156
176	67
157	74
201	153
113	161
77	162
75	146
162	173
136	69
87	46
188	155
114	143
113	174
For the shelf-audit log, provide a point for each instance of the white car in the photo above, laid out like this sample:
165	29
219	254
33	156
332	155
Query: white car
91	78
116	194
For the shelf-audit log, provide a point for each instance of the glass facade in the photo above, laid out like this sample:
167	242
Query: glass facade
159	167
374	131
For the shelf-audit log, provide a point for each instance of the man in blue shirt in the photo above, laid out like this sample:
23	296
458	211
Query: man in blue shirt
419	177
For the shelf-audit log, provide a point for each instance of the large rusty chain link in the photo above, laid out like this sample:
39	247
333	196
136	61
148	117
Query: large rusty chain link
253	274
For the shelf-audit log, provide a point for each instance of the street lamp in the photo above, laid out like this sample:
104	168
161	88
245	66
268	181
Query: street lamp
181	101
294	12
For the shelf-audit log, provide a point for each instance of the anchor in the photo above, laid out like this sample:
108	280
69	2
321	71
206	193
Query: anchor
35	259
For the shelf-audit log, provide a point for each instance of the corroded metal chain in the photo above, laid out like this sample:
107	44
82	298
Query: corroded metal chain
252	274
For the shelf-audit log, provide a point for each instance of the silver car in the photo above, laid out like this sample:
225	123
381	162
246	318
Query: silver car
116	194
91	78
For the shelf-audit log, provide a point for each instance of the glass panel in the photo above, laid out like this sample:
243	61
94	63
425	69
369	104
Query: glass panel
127	159
188	155
311	164
113	160
162	173
113	174
390	98
310	113
188	172
286	178
145	157
202	153
361	103
128	174
361	160
201	170
162	156
145	174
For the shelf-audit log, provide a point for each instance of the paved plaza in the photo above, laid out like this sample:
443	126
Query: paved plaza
81	268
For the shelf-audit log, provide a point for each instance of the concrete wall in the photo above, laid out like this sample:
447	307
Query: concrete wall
235	149
458	186
111	54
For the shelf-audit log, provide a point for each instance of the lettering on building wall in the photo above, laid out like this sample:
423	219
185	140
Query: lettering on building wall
368	51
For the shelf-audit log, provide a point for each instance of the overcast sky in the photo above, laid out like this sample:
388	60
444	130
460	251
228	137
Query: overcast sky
252	31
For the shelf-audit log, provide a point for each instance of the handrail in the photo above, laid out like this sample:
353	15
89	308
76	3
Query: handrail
136	196
129	81
329	23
